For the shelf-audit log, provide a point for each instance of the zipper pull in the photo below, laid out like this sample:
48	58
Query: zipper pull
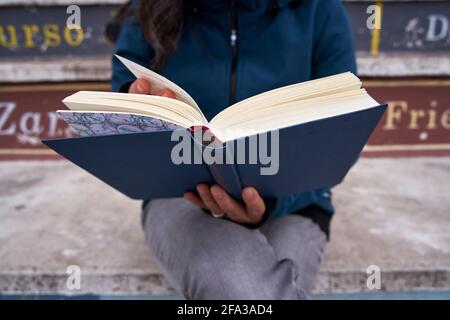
233	37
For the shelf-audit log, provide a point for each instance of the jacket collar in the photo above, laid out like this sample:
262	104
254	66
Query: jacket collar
246	5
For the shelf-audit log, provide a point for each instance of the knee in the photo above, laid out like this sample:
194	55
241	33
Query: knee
239	277
212	279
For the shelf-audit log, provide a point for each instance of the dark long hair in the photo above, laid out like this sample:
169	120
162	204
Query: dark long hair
161	22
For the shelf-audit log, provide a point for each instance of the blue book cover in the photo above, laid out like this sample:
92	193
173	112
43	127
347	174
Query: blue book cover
307	156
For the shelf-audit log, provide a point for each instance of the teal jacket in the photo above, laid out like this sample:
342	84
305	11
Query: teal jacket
275	43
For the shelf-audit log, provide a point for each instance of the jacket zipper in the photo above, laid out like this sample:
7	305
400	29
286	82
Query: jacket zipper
234	52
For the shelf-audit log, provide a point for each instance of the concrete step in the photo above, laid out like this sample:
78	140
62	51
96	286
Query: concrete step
392	213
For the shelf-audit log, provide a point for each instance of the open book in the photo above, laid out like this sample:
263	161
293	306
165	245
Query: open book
275	109
127	139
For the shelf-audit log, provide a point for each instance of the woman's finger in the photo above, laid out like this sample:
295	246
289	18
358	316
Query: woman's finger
231	207
255	206
140	86
193	198
208	200
166	93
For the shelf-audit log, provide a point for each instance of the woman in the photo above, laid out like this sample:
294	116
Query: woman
210	246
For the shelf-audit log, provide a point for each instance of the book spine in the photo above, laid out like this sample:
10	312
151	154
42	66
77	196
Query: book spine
224	174
227	176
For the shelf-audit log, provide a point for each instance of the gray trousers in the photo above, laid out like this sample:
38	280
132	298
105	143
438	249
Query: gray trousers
208	258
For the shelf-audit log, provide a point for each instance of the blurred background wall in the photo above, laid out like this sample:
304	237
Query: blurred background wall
406	62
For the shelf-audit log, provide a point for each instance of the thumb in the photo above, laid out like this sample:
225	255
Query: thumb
140	86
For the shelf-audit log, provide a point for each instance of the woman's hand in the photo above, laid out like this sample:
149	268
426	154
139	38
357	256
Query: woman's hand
214	198
219	202
142	86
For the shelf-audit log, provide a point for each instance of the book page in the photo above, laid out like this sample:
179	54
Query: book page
167	109
158	82
292	105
